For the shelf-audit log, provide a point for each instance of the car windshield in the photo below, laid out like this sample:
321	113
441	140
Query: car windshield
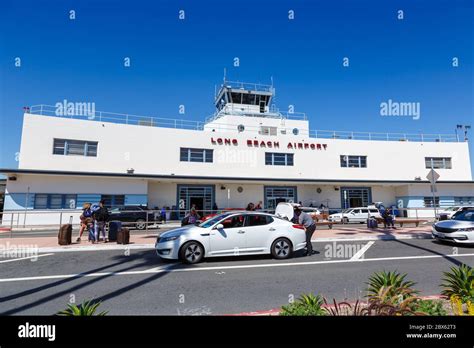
347	210
467	215
214	220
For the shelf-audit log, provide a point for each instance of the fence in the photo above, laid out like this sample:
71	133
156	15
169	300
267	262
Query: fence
149	219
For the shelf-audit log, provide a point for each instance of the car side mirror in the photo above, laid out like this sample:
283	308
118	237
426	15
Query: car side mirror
219	227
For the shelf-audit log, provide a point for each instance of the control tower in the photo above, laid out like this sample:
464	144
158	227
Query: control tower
242	106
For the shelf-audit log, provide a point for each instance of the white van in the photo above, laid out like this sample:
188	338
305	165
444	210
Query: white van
360	215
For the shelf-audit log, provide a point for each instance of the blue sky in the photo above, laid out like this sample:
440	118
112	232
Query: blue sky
177	62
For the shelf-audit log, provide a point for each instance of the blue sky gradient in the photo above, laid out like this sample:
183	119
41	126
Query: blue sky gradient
177	62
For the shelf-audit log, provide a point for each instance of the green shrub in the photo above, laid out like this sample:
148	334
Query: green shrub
87	308
391	285
459	283
429	307
305	305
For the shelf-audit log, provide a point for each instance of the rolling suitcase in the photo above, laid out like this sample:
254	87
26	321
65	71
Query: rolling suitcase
114	228
123	236
65	233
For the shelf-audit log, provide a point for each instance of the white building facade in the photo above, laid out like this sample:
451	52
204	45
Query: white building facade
247	152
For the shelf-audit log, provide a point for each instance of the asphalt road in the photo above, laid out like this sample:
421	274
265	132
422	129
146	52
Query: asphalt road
142	284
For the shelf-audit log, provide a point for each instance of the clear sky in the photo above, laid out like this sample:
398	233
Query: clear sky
176	62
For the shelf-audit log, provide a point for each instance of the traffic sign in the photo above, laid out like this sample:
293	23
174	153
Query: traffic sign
432	176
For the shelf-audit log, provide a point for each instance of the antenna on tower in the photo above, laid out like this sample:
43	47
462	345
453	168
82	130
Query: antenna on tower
225	75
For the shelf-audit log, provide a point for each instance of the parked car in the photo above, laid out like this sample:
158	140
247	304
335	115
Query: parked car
286	210
232	234
132	216
459	229
359	214
449	212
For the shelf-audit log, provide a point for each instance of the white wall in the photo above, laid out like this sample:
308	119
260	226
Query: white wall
152	150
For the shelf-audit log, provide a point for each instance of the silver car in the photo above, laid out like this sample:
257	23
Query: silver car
460	229
232	234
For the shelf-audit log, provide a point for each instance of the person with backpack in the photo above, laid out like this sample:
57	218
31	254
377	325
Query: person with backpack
100	216
388	220
86	220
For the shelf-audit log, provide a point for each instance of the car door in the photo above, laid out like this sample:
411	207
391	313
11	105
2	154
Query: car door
354	215
364	215
258	231
229	240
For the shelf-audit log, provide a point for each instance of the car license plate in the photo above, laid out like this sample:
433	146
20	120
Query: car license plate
440	235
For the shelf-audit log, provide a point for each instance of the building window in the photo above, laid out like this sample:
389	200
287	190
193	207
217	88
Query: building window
278	159
463	200
70	147
196	155
438	162
55	201
428	202
112	201
353	161
264	130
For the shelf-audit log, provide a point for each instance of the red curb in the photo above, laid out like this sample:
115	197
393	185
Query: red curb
276	311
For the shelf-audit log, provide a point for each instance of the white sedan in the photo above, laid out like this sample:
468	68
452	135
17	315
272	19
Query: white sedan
232	234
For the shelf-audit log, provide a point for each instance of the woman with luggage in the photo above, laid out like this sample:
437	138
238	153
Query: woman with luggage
86	220
100	216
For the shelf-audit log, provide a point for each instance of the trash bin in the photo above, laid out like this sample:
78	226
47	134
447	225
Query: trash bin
114	227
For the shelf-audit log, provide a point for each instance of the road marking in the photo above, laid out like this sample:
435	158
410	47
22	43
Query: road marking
361	252
171	269
26	257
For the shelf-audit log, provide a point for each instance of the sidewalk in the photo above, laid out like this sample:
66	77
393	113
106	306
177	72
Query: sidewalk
147	241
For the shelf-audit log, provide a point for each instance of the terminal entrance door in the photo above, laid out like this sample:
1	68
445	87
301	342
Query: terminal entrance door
352	197
201	196
277	194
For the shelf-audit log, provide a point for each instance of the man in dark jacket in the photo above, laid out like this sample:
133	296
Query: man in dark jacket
100	216
309	226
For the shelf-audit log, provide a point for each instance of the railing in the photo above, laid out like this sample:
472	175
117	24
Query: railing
253	111
248	86
102	116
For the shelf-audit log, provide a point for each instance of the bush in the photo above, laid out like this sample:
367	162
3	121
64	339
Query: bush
459	284
87	308
429	307
305	305
390	284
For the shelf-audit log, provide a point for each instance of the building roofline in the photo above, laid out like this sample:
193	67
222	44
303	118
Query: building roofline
7	171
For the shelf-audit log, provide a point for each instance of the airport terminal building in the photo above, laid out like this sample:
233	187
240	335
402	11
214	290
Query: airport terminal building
248	151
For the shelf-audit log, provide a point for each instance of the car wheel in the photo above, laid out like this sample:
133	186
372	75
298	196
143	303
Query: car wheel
345	220
191	252
140	224
281	248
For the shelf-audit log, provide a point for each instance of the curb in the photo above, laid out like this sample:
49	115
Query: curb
426	235
276	311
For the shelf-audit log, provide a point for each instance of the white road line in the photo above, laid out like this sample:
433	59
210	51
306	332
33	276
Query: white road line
25	258
169	268
362	251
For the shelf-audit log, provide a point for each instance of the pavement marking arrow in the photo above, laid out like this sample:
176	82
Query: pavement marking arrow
361	252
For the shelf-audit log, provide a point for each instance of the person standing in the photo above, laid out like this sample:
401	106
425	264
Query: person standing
193	217
86	220
163	215
100	216
309	227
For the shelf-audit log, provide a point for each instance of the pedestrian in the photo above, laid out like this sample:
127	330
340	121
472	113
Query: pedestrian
100	216
309	227
215	208
86	220
258	206
163	215
192	218
250	207
388	220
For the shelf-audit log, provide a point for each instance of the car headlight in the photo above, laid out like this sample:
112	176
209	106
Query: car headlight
168	239
467	229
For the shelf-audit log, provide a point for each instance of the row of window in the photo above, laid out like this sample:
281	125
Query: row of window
69	201
428	201
69	147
